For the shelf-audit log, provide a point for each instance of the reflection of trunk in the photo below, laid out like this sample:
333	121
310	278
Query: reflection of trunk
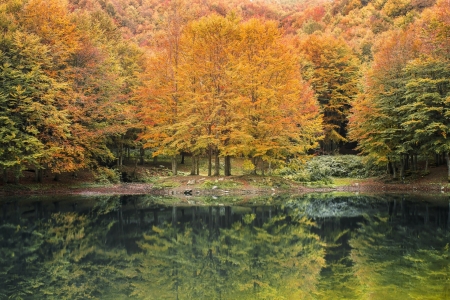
228	220
227	165
210	222
448	218
174	216
155	217
217	218
120	217
427	215
402	208
174	165
217	164
394	209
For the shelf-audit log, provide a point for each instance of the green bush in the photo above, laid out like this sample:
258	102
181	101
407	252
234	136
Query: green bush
106	176
322	168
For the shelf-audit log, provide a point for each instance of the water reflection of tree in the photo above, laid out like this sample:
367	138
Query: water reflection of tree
279	260
62	256
402	254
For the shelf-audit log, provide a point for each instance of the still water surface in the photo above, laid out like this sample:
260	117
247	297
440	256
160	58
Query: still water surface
298	247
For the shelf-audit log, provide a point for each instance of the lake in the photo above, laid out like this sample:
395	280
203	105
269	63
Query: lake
314	246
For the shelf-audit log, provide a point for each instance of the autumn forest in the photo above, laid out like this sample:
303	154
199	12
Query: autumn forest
84	81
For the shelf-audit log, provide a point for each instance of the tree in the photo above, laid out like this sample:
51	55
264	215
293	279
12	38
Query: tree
281	116
332	70
376	120
161	91
36	128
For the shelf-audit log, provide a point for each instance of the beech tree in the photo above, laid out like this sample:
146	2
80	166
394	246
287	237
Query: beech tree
332	69
281	115
236	91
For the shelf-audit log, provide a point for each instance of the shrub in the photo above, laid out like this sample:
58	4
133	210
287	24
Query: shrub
247	166
105	175
322	168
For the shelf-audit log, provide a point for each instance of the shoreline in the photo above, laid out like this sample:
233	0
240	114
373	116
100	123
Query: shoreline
145	188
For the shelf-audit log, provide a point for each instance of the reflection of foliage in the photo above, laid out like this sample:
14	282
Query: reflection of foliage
392	260
118	252
64	257
20	249
281	260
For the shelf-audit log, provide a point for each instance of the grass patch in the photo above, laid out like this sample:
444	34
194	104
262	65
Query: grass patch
220	184
86	185
165	185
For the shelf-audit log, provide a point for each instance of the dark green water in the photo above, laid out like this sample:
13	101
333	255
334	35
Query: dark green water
297	247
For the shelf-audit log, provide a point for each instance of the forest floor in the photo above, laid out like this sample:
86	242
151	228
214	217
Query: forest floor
156	180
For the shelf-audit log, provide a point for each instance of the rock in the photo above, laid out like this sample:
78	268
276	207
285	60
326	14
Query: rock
190	182
215	187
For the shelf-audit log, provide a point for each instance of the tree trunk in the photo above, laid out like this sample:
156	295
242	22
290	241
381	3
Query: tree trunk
255	163
415	162
5	176
174	165
193	166
402	168
197	164
16	174
209	160
141	156
40	175
217	164
447	157
426	165
182	158
394	170
227	165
